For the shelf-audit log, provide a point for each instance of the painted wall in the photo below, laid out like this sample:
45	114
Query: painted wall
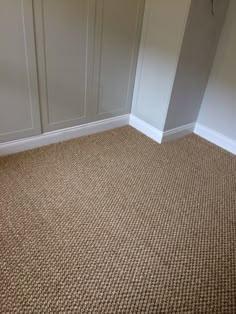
158	58
200	42
218	110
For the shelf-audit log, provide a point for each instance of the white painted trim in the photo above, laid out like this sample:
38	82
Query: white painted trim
157	135
199	129
179	132
63	135
116	122
146	129
216	138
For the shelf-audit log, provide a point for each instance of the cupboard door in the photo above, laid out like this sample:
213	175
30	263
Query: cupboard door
64	36
117	43
19	104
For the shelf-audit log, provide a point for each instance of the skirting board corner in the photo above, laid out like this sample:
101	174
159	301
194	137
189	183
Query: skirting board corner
178	132
146	129
160	136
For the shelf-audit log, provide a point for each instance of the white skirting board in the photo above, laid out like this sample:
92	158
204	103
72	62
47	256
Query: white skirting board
200	130
116	122
62	135
160	136
146	129
179	132
216	138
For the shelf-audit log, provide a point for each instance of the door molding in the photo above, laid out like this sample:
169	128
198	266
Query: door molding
43	71
26	11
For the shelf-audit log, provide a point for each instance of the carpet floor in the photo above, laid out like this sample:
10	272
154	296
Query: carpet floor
115	223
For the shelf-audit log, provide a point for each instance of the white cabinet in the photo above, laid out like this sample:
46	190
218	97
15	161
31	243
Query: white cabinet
73	61
19	101
64	36
87	52
118	34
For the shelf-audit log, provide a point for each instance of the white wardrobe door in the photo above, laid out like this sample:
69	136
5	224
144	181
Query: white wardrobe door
64	36
117	44
19	104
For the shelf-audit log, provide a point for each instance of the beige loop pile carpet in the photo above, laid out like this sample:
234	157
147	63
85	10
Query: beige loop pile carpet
115	223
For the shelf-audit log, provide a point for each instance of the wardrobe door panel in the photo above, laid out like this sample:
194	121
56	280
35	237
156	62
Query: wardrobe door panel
64	32
19	105
118	36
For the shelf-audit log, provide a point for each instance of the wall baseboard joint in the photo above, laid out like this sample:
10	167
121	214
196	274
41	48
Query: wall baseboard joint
116	122
146	129
63	135
160	136
216	138
179	132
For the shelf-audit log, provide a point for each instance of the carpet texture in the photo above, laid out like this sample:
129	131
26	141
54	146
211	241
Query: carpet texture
115	223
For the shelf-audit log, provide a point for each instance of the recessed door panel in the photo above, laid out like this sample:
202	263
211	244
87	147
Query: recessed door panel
19	105
64	44
120	33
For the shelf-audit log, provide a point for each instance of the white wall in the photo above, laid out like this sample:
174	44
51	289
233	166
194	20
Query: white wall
199	47
218	110
162	35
